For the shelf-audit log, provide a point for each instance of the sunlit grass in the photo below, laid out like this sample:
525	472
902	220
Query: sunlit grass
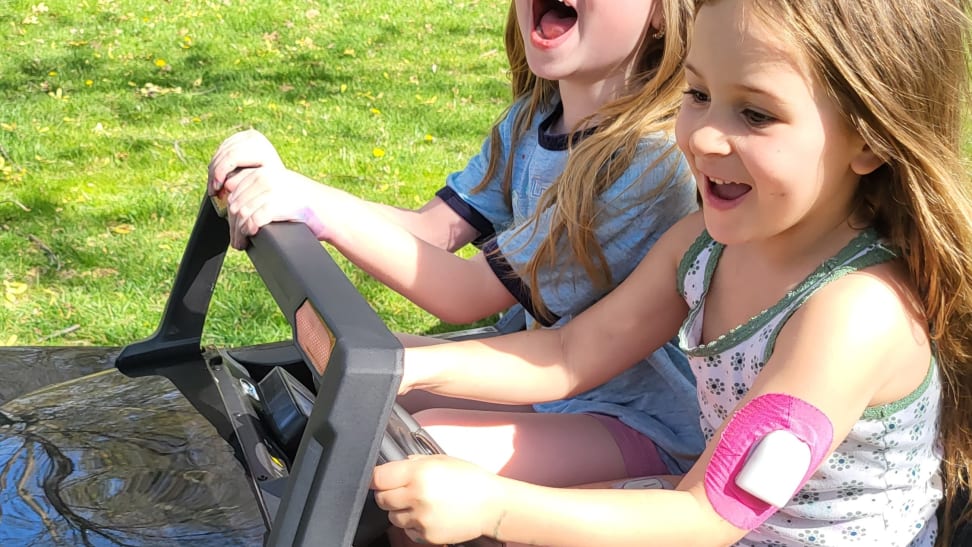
110	110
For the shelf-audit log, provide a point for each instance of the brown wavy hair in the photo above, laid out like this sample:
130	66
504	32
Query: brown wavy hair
648	105
900	73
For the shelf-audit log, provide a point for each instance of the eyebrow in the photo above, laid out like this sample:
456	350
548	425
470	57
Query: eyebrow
743	87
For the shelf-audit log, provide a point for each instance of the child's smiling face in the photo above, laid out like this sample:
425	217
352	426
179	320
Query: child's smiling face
583	39
770	151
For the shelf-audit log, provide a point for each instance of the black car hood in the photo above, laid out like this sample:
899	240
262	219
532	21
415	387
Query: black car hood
105	459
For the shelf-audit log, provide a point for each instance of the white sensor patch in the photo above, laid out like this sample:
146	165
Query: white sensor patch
775	469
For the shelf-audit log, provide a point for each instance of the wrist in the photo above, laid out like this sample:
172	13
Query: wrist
320	230
322	212
411	368
495	508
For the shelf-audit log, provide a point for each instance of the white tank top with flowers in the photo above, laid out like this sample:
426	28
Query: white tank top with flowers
882	485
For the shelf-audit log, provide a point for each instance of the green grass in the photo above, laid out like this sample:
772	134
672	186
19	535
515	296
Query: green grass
110	110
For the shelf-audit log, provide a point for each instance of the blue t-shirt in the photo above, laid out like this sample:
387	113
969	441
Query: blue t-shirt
657	396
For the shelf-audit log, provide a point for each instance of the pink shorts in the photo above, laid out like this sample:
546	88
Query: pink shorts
639	453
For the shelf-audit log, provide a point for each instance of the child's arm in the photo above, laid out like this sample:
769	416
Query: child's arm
446	500
435	222
632	321
455	289
857	343
410	251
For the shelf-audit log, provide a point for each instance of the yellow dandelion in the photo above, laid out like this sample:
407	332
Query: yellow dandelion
378	152
160	63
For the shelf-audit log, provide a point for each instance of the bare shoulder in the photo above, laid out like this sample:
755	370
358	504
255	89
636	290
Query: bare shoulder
677	240
868	328
879	300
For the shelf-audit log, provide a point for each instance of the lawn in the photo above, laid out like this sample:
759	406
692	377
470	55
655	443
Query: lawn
111	109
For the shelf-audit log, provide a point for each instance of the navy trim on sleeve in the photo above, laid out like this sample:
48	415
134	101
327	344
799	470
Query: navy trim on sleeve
468	213
501	267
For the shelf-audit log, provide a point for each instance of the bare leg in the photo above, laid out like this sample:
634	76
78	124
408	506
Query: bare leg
513	440
545	449
557	450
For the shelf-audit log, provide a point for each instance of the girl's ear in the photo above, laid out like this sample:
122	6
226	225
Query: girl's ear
656	23
865	161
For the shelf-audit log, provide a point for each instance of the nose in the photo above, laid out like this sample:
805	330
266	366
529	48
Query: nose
702	135
708	139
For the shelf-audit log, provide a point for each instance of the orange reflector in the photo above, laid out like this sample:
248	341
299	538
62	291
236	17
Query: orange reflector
314	337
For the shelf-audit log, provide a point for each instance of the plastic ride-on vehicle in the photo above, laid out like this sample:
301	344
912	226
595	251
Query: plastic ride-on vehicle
166	442
271	444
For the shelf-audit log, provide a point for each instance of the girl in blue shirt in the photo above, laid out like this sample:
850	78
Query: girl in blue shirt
575	183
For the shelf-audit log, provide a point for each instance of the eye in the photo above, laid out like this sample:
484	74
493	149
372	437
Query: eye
696	96
757	118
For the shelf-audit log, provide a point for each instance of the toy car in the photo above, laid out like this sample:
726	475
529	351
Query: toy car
270	444
166	442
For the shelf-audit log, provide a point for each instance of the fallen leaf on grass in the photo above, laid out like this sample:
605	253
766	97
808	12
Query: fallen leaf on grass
12	290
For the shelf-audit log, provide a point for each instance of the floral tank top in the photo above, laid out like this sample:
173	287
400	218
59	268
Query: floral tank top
882	485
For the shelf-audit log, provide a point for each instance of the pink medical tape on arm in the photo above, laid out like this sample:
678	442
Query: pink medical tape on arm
749	425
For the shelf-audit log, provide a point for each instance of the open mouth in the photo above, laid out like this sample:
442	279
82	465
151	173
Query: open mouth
726	189
553	18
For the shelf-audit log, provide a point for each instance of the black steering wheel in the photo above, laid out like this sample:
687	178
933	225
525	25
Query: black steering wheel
308	417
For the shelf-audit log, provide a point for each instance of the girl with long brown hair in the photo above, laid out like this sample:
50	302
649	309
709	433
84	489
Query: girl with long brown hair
823	296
